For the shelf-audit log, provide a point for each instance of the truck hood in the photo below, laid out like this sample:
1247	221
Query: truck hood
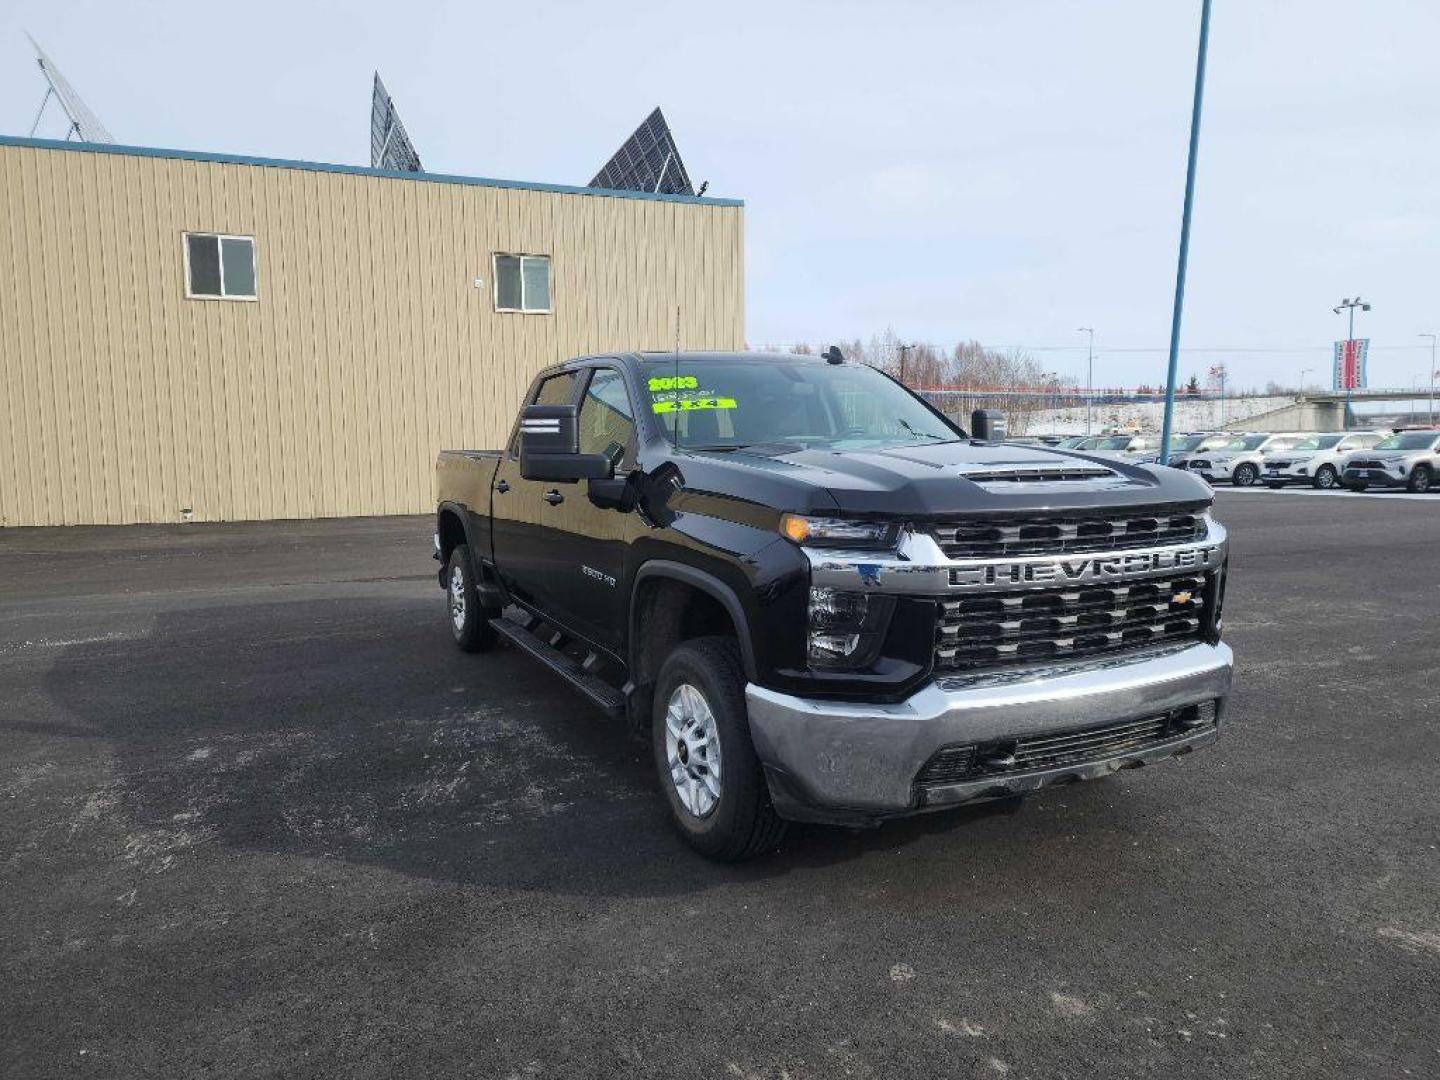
923	480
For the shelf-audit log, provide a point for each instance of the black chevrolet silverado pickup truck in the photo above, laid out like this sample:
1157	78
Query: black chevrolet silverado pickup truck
821	600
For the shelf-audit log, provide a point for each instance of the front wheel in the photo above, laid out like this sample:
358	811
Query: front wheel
1326	478
469	622
1420	480
1244	475
707	765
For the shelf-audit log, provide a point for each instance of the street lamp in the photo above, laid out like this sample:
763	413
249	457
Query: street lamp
1089	374
903	350
1303	372
1350	305
1432	377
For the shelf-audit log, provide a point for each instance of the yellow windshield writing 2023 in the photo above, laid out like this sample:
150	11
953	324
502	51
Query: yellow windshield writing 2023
693	404
674	382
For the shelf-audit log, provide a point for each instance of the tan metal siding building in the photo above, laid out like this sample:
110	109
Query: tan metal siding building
370	344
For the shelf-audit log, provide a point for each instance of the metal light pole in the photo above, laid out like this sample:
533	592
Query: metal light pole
1089	375
1185	232
1351	305
1303	372
1432	377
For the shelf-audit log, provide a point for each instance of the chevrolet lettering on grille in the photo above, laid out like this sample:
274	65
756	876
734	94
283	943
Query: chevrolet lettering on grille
1083	569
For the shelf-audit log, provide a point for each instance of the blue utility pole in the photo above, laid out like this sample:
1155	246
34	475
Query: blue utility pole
1185	233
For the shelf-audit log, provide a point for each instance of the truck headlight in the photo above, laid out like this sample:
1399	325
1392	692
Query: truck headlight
846	628
836	532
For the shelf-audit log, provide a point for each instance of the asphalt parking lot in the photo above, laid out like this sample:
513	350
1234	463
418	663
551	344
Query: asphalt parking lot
260	818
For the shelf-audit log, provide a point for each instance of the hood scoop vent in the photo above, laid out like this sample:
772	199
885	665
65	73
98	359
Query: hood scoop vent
1040	474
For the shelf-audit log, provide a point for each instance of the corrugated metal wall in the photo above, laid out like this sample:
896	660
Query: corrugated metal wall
369	350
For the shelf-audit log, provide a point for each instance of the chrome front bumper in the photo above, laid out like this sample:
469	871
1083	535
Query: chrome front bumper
838	761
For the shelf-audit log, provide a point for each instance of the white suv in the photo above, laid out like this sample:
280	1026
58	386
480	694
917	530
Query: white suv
1316	460
1408	459
1241	459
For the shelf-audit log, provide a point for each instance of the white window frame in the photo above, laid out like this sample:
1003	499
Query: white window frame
522	256
220	238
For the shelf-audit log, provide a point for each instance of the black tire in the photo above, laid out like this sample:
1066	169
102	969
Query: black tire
1244	475
1421	480
742	823
469	626
1326	478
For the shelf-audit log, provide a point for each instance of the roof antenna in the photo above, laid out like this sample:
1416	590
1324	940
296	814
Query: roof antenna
833	355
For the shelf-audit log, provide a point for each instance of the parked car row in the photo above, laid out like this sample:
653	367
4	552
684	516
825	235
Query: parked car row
1357	460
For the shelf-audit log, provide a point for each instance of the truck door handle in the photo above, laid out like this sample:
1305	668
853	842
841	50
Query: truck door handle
553	497
502	487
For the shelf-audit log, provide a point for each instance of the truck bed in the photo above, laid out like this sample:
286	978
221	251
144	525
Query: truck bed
463	477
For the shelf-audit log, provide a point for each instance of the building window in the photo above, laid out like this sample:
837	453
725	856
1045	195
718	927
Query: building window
219	267
522	283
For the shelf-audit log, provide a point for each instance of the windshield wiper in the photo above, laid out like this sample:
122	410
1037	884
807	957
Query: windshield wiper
918	434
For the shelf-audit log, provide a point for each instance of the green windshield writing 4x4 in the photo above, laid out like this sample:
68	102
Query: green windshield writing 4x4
692	404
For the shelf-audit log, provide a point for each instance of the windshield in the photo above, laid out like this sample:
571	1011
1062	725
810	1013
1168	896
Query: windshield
1186	442
1106	442
1408	440
726	404
1248	442
1318	442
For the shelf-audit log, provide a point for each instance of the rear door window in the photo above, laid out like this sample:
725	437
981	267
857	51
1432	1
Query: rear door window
556	390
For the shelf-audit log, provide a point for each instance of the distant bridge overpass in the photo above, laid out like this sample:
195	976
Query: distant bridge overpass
1327	410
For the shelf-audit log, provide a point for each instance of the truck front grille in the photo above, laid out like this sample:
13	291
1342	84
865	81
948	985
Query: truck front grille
1055	750
1076	532
993	629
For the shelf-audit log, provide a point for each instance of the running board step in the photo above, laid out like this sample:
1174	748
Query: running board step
604	696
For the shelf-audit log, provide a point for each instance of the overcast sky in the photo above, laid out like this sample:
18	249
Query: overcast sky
1004	170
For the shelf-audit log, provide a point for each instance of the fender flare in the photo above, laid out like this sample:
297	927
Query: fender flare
707	583
483	581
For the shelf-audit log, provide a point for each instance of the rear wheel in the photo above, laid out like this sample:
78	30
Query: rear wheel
706	762
1325	477
469	622
1420	480
1244	475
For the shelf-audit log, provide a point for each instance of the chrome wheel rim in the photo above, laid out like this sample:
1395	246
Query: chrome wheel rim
692	750
457	599
1245	476
1326	478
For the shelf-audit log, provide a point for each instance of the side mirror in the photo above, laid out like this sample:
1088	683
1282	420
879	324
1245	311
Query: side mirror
550	446
613	493
987	425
